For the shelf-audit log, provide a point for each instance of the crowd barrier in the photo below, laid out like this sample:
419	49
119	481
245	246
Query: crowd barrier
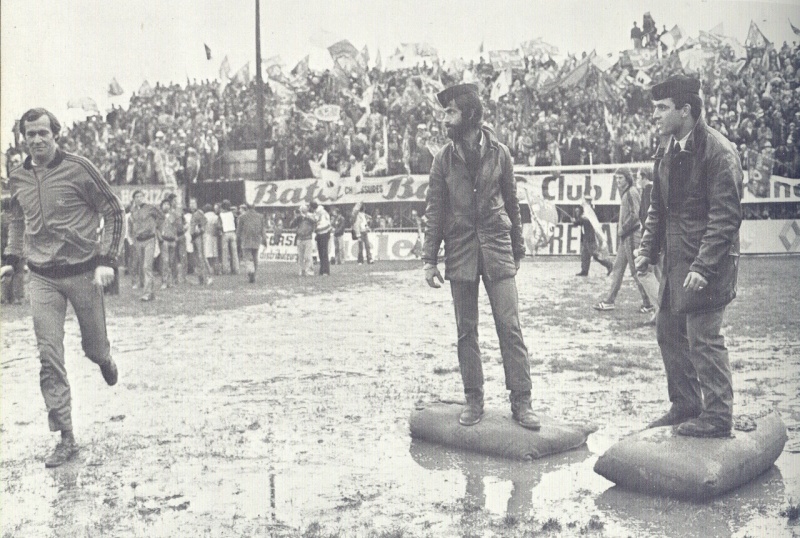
757	237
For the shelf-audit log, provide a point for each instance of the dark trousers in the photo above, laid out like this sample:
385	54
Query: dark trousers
322	251
696	362
363	243
505	310
589	251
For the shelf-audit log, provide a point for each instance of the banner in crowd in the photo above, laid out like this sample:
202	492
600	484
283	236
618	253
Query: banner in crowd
568	189
153	194
757	237
641	58
506	59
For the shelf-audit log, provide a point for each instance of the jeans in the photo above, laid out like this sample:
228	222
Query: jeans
201	268
168	262
322	250
49	298
145	252
505	309
230	253
305	250
624	259
363	243
696	363
338	247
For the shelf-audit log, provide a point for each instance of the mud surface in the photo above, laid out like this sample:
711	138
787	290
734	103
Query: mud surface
282	410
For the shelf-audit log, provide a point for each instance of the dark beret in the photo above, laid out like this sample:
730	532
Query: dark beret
674	86
448	94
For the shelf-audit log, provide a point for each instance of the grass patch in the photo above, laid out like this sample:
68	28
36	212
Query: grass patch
576	365
442	370
315	530
791	512
551	525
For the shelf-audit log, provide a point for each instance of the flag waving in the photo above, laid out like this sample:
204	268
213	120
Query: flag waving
114	88
502	85
795	29
755	38
225	69
208	51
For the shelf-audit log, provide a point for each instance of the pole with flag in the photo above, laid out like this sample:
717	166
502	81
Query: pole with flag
260	152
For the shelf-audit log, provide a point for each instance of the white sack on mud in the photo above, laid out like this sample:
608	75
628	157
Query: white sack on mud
496	434
659	461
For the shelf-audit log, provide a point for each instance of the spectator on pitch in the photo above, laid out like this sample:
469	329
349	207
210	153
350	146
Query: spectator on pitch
472	206
211	236
629	234
56	229
652	276
361	233
230	249
251	233
589	247
171	230
322	234
339	224
197	227
696	226
146	221
304	225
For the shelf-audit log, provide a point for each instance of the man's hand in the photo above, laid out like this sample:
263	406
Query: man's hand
695	282
517	263
642	264
103	275
432	274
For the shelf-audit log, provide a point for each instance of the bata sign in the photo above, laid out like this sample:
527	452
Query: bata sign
560	189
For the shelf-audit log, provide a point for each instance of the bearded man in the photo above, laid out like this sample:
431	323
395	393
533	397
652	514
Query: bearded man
472	207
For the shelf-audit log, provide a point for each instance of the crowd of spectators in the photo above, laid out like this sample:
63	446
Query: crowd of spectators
178	133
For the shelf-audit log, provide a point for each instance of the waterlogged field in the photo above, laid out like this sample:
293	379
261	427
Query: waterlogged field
281	409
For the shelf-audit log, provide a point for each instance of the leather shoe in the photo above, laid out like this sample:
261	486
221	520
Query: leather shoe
65	450
674	416
702	427
109	371
522	412
473	410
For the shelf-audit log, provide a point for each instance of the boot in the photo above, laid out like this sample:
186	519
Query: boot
473	410
522	412
676	415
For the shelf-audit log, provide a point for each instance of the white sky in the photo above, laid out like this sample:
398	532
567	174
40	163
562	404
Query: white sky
53	51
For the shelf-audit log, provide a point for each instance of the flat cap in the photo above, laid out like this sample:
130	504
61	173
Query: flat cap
674	86
448	94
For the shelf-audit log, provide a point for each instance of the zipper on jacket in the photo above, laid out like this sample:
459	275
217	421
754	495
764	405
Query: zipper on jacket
39	193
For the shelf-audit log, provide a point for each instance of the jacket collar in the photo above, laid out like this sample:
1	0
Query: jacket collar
59	156
488	141
697	137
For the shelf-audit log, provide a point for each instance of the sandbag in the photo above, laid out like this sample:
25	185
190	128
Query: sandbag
659	461
496	434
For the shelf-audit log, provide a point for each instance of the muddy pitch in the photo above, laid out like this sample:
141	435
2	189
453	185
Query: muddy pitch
281	409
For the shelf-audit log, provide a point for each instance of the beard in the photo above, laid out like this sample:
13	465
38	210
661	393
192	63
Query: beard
456	132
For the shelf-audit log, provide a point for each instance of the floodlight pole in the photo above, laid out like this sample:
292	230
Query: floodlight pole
260	156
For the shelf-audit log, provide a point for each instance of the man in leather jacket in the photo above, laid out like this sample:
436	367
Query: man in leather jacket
472	207
694	220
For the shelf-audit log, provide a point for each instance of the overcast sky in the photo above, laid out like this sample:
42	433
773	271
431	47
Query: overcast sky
53	51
